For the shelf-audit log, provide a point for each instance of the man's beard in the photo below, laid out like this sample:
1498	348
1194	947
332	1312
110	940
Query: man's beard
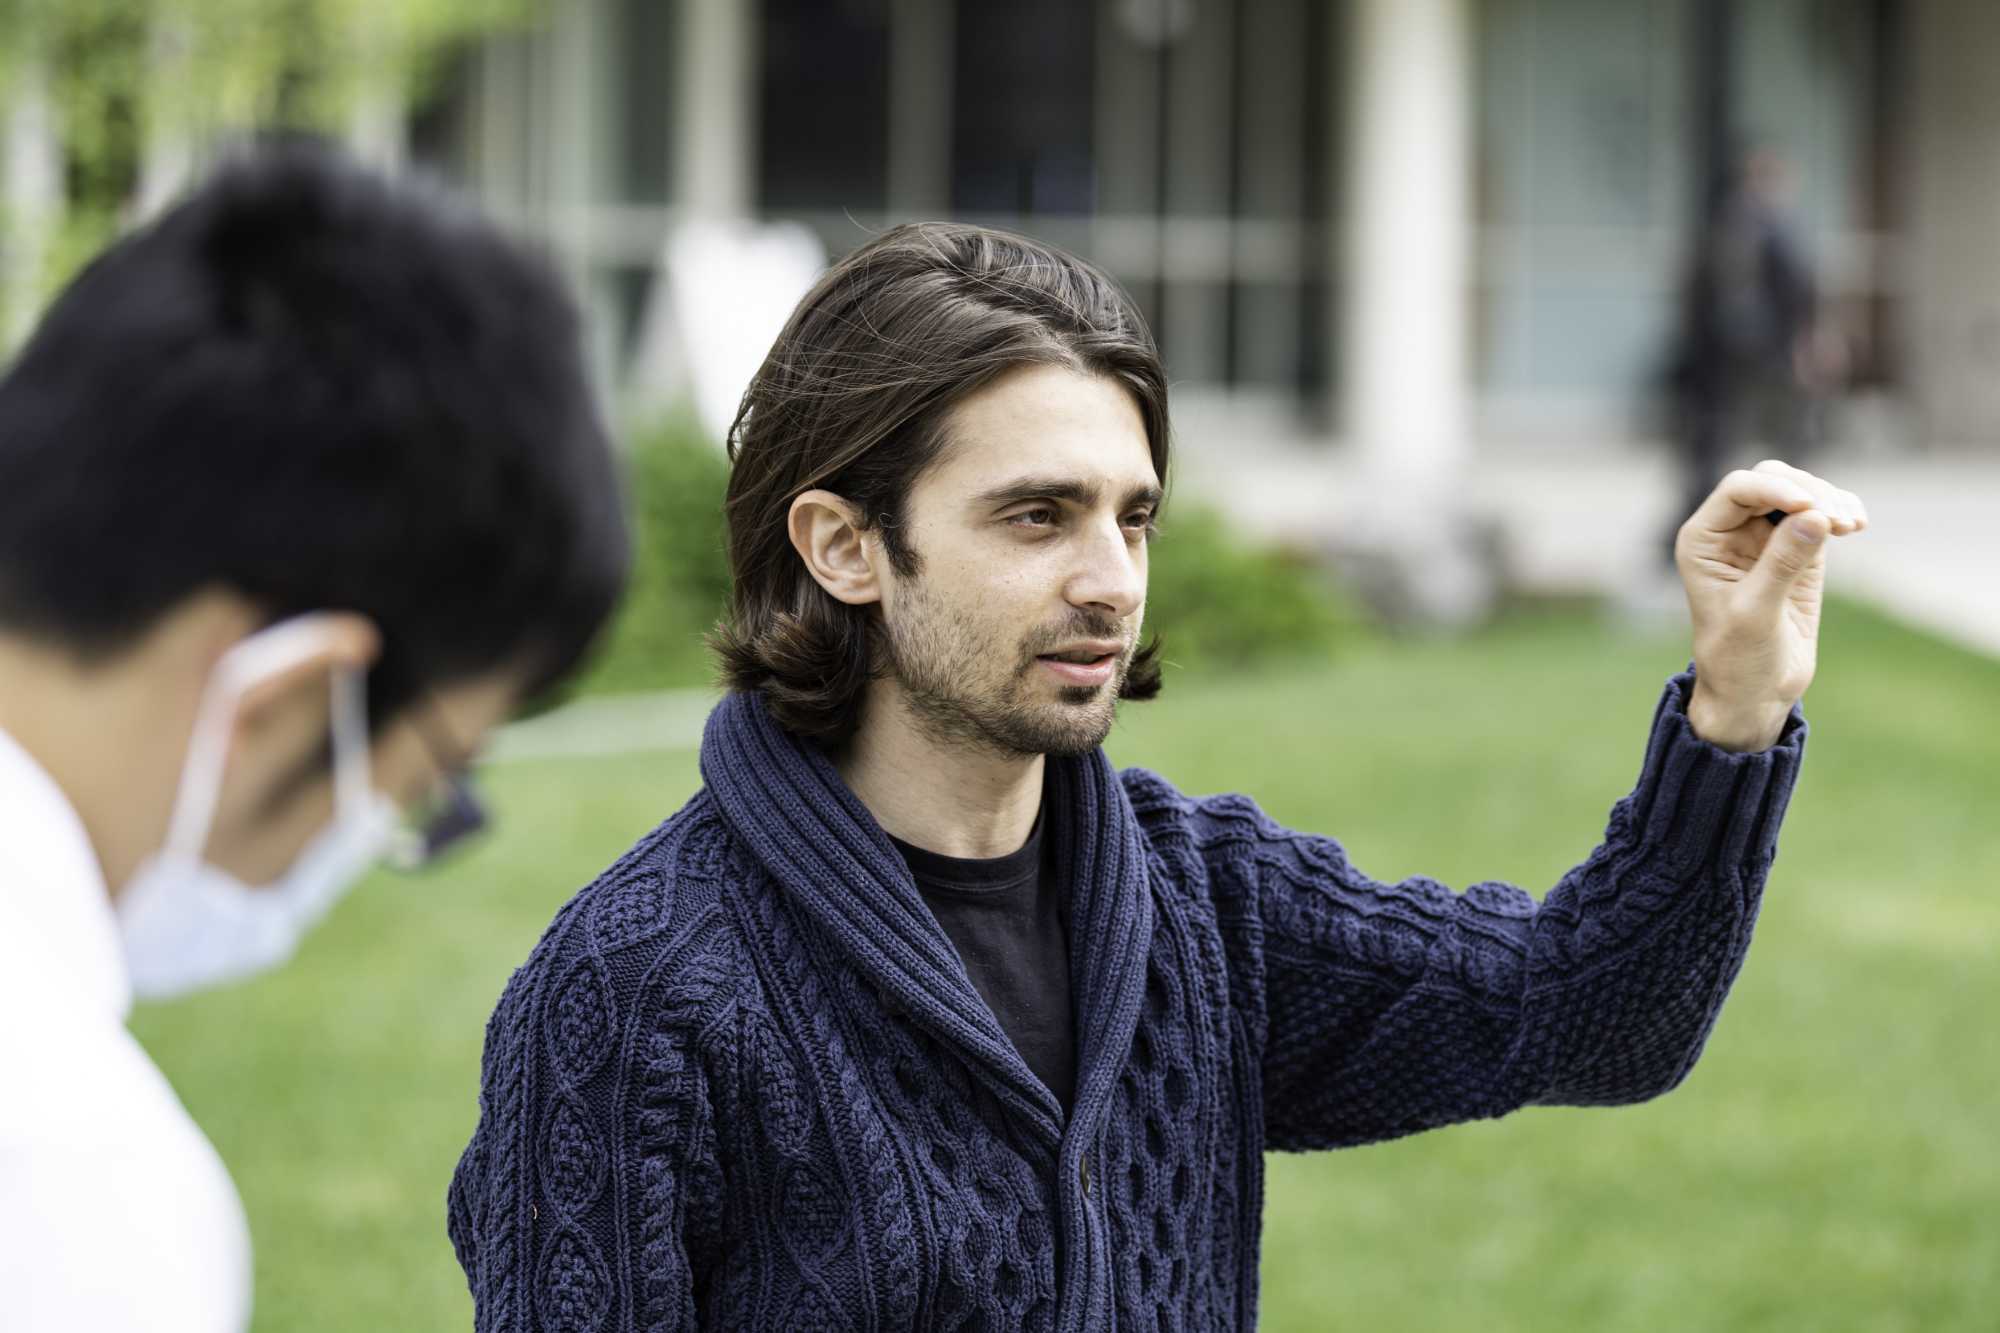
950	677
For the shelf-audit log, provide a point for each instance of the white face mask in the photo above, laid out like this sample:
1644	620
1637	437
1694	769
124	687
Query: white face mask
187	924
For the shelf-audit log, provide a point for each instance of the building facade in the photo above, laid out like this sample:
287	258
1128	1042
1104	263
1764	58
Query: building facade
1414	226
1410	224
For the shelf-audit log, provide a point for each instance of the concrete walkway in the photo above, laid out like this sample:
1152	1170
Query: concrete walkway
1931	555
608	724
1591	523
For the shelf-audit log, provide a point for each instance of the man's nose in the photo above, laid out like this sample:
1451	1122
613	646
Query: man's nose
1111	572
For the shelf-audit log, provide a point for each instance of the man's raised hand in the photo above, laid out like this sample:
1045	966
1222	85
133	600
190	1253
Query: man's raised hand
1754	592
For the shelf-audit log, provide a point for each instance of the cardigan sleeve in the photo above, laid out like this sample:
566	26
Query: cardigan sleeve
1385	1009
591	1177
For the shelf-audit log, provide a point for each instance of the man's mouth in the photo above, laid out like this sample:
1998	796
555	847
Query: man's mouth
1085	664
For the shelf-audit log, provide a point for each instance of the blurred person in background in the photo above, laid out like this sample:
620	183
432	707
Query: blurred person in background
919	1015
302	491
1754	361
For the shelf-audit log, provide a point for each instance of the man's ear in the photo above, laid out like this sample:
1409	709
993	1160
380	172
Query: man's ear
351	641
826	531
279	738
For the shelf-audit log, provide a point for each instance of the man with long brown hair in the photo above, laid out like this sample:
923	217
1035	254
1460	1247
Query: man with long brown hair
921	1016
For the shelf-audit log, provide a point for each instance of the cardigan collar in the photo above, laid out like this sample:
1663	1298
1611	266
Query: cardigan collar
827	854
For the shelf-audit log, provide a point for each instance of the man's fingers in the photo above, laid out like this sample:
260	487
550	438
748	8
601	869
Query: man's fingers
1843	507
1798	546
1742	496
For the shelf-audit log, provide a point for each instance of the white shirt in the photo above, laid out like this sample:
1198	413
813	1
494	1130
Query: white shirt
115	1212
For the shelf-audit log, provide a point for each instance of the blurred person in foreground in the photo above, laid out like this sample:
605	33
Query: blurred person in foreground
302	491
920	1015
1754	359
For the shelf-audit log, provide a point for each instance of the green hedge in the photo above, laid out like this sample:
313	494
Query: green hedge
680	575
1217	601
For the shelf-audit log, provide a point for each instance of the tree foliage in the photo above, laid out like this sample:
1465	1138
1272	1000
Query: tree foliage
124	78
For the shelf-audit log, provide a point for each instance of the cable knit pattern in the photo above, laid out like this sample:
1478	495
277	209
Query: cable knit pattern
744	1083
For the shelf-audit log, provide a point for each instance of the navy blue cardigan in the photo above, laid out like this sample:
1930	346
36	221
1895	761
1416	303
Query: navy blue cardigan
744	1083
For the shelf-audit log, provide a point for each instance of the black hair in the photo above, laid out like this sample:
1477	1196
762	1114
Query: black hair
324	392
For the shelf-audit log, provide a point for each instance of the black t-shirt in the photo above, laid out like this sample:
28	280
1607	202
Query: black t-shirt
1009	919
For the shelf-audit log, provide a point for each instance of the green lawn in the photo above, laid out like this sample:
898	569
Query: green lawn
1833	1164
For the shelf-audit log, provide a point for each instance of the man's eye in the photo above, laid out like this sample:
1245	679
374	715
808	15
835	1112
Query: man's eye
1034	518
1140	521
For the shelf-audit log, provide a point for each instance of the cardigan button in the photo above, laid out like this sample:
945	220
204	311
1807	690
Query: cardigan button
1083	1170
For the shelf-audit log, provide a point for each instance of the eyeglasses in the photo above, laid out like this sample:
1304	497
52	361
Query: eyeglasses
452	813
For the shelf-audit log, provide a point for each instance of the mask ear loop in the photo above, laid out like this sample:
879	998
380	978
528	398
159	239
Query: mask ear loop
353	782
267	653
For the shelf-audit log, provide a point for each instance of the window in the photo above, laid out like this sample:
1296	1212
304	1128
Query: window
824	114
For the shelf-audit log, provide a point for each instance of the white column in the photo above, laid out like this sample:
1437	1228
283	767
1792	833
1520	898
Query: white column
715	114
31	198
570	175
1407	233
1411	532
920	109
566	149
378	125
1952	183
502	148
167	161
377	120
1200	108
